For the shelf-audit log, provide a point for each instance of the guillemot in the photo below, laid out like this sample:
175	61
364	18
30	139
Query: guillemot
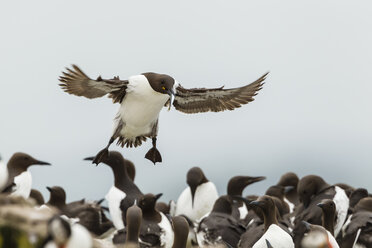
37	196
124	192
273	232
290	180
181	231
198	199
19	176
219	227
235	187
143	96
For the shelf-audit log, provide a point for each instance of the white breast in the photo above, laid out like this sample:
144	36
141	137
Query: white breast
80	237
243	211
277	237
140	107
205	196
3	175
23	183
114	197
167	235
290	204
342	205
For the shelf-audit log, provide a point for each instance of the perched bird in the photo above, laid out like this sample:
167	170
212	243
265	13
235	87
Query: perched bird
357	230
124	192
312	190
329	214
290	180
196	200
63	234
181	231
277	237
220	227
20	180
317	236
156	230
235	187
134	219
142	97
37	196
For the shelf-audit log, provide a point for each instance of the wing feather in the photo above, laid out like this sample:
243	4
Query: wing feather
75	81
200	100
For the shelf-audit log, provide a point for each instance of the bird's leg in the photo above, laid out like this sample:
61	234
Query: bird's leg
153	154
103	153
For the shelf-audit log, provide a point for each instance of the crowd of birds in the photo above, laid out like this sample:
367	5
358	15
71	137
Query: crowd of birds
296	212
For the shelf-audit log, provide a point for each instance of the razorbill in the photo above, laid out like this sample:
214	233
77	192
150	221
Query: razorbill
19	178
123	193
219	227
198	198
273	232
141	98
156	229
235	187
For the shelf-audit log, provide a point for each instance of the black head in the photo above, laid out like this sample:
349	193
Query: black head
57	196
288	179
328	206
37	196
161	83
21	161
148	202
237	184
275	190
223	205
309	186
195	177
59	230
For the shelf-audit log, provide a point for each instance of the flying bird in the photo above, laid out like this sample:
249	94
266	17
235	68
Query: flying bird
142	97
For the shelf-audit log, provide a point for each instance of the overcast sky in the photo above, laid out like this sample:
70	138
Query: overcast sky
312	116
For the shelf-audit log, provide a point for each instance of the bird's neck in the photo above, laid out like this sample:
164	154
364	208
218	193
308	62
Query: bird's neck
269	219
328	221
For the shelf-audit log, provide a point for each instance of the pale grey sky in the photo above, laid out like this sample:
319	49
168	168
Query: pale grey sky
312	116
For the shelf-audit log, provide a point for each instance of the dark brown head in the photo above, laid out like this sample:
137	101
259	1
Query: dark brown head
147	202
288	179
223	205
181	231
134	219
357	195
328	206
309	186
161	83
57	196
37	196
275	190
195	177
237	184
329	214
21	161
267	206
364	204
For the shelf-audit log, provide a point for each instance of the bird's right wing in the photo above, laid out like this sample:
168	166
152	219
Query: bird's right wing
75	81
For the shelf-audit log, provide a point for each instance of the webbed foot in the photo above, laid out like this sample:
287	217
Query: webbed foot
153	155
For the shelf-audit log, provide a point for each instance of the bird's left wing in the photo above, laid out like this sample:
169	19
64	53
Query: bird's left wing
200	100
75	81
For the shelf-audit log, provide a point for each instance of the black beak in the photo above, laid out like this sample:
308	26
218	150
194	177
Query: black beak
307	225
38	162
255	203
89	158
49	189
158	196
321	205
256	179
268	244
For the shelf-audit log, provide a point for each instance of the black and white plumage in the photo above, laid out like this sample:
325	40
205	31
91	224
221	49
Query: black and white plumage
143	96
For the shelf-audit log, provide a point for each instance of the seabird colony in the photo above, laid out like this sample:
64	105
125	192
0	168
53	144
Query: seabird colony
296	212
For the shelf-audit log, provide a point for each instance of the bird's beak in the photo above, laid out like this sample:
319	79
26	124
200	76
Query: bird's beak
171	95
288	188
89	158
256	179
49	189
321	205
158	196
38	162
255	203
307	225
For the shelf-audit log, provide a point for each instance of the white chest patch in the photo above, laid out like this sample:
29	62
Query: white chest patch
277	237
23	183
205	196
290	204
140	107
243	211
342	205
167	235
3	175
114	197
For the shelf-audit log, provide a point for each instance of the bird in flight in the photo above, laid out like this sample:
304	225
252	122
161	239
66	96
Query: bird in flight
142	97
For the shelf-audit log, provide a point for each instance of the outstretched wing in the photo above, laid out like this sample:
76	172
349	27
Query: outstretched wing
75	81
204	100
